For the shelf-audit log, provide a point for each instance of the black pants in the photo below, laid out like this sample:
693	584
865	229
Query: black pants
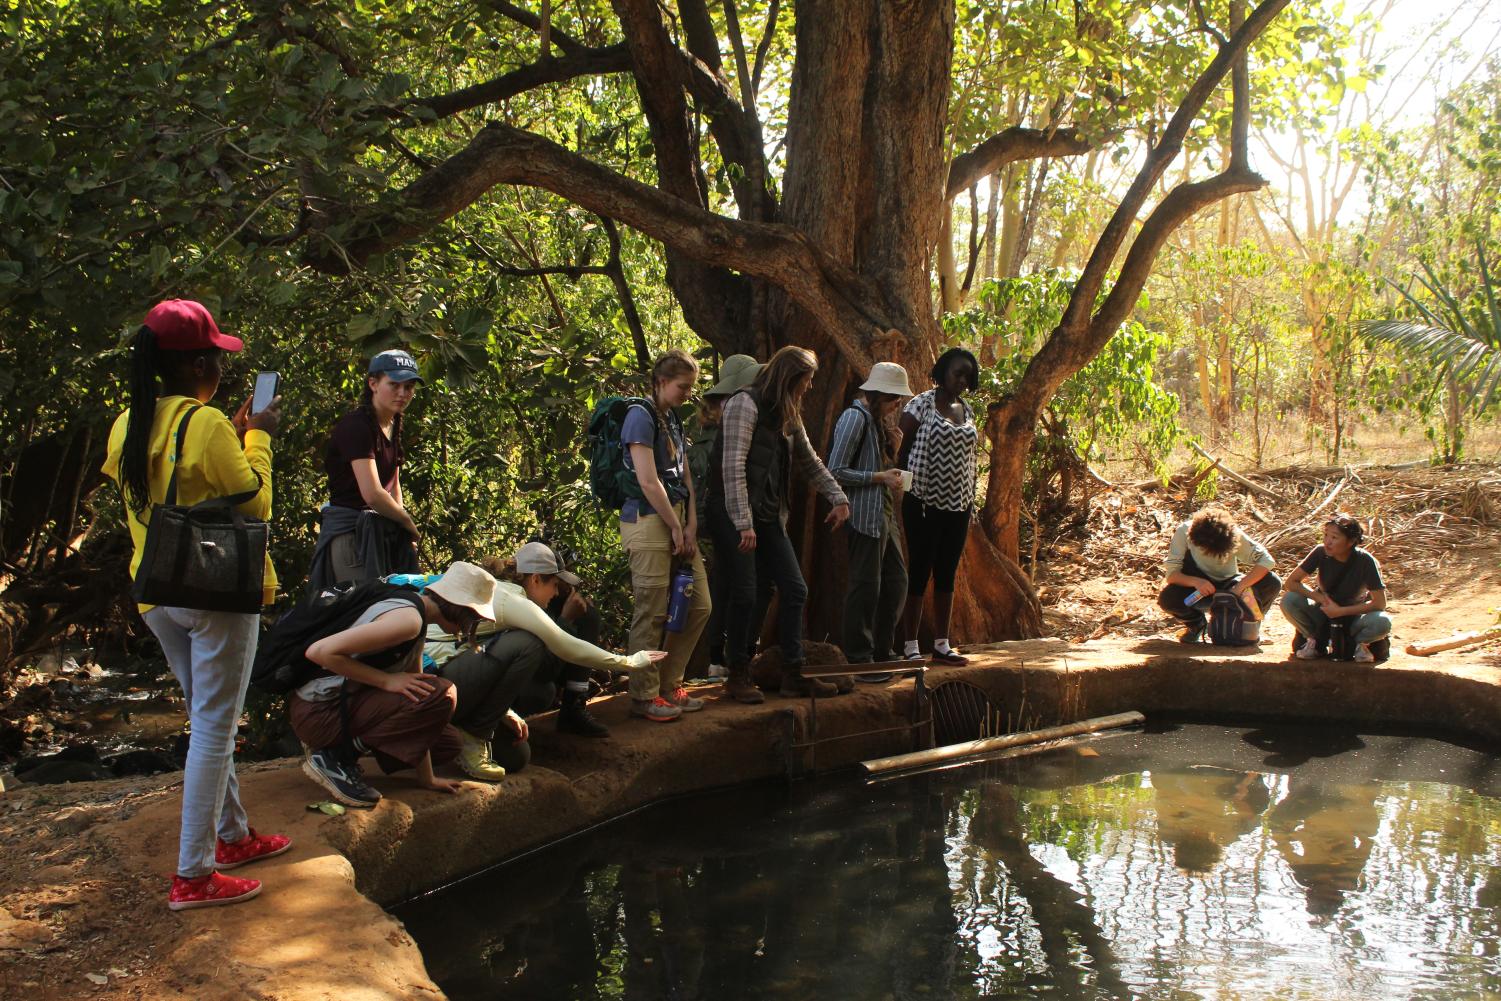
935	542
773	561
541	693
489	683
1171	599
877	592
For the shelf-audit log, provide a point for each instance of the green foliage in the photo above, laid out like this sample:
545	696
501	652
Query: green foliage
1113	403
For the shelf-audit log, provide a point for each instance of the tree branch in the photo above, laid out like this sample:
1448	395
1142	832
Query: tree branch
849	308
1009	146
1163	153
564	42
575	63
765	44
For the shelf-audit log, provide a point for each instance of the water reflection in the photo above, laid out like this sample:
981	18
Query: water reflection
1171	866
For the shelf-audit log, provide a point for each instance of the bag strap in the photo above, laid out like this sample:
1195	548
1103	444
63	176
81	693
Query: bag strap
232	500
182	434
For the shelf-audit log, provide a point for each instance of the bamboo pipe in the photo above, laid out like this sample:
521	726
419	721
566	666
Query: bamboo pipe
970	748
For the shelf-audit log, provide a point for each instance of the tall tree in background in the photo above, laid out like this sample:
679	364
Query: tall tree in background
832	247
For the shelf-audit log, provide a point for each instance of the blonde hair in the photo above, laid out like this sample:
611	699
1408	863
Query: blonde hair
778	381
670	365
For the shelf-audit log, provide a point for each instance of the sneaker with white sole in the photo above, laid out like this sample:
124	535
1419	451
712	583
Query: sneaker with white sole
1363	654
212	890
658	710
475	760
341	776
687	703
1309	650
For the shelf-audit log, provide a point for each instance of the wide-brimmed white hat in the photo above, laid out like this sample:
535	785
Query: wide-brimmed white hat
887	377
467	586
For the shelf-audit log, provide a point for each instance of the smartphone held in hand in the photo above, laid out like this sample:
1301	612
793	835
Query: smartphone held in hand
266	386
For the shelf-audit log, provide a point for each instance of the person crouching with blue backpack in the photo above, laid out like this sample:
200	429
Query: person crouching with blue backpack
659	532
1206	556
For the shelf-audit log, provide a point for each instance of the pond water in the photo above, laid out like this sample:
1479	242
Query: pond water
1199	862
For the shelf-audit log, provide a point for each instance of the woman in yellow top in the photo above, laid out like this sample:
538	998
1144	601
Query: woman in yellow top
175	369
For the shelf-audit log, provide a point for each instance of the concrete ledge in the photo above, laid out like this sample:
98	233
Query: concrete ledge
318	930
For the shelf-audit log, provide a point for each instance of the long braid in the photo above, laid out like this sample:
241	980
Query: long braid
135	458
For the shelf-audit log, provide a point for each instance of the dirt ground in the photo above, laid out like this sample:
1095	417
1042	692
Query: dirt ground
85	866
1436	533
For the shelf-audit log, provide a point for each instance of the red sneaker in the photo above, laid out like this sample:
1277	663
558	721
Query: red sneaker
210	891
252	848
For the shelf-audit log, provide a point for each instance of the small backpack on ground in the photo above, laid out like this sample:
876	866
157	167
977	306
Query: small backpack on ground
281	664
609	481
1227	618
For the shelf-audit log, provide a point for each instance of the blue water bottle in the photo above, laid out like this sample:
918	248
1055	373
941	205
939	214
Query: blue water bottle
678	600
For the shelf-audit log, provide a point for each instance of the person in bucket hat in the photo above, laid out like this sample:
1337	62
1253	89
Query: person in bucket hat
735	373
365	531
863	460
526	652
374	698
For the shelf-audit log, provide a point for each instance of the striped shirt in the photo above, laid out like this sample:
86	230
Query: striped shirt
857	429
943	456
735	430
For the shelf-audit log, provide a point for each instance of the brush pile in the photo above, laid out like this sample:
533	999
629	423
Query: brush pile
1105	554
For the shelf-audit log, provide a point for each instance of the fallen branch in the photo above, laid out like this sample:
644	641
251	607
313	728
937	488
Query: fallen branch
1471	638
1233	475
1330	499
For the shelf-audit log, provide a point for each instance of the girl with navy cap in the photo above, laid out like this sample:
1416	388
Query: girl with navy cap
365	530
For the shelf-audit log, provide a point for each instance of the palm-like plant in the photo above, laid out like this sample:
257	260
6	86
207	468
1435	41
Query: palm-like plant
1460	339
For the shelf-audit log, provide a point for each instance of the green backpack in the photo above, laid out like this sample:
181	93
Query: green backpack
610	482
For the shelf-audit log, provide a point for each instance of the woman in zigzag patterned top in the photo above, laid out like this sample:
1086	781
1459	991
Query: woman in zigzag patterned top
939	440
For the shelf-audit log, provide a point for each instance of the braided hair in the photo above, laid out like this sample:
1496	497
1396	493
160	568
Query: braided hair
148	363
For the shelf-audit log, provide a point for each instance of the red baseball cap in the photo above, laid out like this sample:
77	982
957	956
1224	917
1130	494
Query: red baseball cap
185	325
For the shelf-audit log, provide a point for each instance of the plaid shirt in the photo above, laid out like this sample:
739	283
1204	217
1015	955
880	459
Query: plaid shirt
735	430
854	471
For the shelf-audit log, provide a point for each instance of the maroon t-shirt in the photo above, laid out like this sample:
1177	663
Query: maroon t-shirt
357	436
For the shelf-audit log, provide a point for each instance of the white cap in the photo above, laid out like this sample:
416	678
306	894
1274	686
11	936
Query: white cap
538	557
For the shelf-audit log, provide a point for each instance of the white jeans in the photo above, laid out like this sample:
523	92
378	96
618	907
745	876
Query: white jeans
210	654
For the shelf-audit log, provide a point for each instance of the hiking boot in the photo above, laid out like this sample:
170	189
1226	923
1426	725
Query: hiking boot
1193	634
341	777
251	848
741	688
658	710
574	717
212	890
1310	650
475	758
680	698
795	686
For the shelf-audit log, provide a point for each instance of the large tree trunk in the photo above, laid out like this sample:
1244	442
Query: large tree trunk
866	177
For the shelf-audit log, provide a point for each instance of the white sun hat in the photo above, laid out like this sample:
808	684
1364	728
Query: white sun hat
887	377
467	586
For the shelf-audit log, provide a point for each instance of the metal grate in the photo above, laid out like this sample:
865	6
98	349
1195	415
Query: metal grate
962	711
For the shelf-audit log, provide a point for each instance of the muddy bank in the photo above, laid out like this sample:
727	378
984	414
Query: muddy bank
82	887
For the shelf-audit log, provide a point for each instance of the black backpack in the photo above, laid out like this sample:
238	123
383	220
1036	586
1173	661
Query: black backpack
281	664
1227	616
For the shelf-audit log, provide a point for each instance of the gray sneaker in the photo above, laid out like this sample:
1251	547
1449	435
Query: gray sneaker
658	710
341	776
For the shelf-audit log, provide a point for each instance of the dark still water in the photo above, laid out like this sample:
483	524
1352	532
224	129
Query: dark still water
1202	862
